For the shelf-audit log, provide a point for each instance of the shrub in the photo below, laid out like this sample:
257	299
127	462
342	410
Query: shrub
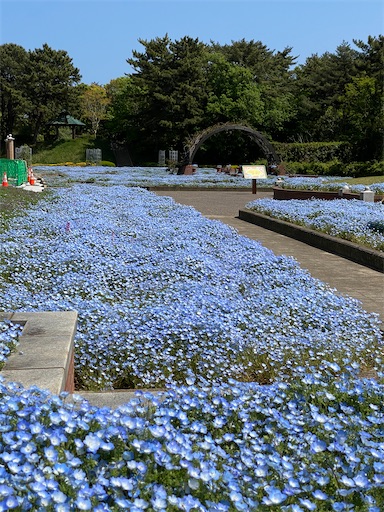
359	169
336	168
314	151
377	226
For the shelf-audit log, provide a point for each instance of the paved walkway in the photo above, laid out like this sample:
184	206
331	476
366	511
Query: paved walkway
346	276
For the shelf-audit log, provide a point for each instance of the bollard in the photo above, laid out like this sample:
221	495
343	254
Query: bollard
367	195
344	190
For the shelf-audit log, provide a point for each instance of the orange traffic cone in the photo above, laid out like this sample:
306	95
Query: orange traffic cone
5	180
31	178
29	174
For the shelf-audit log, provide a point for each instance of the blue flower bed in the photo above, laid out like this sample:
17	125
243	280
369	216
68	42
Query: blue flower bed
164	294
167	297
204	178
316	444
326	183
9	335
354	220
146	177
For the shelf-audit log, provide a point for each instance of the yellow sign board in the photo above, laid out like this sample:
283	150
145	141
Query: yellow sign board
254	172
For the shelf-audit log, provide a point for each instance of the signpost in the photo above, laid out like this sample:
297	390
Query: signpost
254	172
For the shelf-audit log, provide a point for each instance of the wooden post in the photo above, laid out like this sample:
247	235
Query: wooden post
10	148
254	186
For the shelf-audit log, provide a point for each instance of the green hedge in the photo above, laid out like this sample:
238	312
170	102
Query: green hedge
336	168
314	151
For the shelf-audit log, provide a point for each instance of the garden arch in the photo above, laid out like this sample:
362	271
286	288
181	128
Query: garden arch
199	139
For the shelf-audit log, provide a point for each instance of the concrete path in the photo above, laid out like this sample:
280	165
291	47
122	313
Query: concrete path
346	277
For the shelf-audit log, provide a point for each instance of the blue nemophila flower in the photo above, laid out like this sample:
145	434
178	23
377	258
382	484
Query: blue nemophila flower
275	496
256	417
164	302
320	495
161	304
347	219
92	442
307	504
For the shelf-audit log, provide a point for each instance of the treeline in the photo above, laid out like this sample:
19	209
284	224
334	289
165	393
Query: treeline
174	89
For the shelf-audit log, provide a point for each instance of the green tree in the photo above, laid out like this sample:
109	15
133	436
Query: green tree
50	87
233	95
169	87
270	74
369	95
122	108
370	59
362	109
319	85
94	105
13	98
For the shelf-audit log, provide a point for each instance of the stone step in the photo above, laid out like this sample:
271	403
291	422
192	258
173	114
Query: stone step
44	356
112	399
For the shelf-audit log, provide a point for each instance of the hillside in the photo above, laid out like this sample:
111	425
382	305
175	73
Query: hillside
66	151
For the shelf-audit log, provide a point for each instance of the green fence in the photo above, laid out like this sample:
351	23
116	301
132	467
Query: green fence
17	171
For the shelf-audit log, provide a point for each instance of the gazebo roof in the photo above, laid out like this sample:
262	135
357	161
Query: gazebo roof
66	119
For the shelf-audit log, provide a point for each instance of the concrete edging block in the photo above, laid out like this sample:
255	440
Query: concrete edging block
44	356
349	250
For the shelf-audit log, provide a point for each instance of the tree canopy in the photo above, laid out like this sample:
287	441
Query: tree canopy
174	89
35	86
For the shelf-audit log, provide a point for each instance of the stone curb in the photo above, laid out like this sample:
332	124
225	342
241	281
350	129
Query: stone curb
44	356
204	189
349	250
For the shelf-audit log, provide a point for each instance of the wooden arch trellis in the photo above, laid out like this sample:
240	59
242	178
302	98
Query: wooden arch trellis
200	138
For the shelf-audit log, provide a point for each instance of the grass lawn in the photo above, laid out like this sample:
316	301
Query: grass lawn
366	180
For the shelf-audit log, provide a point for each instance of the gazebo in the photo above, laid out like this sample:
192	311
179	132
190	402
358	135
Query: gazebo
66	120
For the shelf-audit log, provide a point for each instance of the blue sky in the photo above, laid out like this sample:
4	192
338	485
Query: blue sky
100	35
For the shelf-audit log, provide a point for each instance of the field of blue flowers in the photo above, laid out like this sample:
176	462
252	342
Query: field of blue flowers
203	178
265	407
327	183
144	177
350	219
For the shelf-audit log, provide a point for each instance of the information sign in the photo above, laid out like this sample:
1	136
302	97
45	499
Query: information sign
254	172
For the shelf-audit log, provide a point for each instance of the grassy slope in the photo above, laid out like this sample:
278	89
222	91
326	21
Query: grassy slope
71	151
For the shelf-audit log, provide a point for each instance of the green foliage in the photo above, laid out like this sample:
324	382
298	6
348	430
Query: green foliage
94	105
233	93
178	88
25	154
362	109
376	226
71	150
337	168
14	102
340	97
319	84
121	93
358	169
169	89
272	75
51	77
313	151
